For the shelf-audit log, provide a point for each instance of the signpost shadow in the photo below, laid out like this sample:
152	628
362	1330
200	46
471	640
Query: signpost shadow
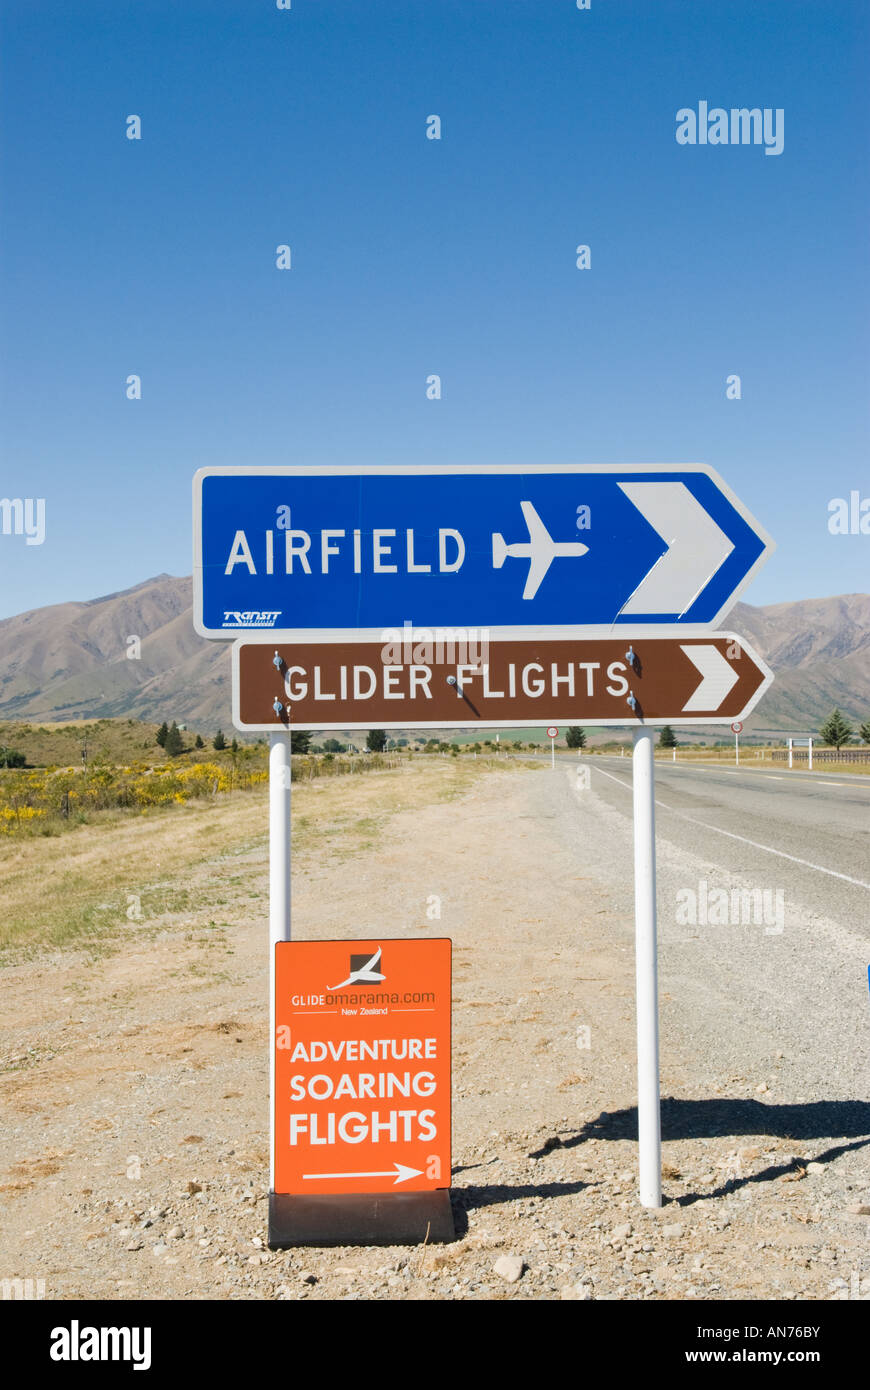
724	1118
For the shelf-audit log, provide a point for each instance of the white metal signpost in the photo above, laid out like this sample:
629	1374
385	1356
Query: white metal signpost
339	554
737	729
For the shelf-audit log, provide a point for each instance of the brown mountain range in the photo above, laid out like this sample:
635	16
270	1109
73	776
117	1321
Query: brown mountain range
69	661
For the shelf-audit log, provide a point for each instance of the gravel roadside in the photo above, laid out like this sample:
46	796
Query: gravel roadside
135	1164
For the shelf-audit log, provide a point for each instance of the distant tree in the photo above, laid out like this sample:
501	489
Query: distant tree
300	741
332	745
574	737
836	730
198	743
11	757
234	746
864	731
376	740
174	742
161	734
219	742
667	737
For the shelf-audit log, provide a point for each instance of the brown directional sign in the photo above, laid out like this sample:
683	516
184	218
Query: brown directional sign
434	680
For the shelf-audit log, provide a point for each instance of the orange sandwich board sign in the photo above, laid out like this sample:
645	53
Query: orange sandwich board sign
362	1092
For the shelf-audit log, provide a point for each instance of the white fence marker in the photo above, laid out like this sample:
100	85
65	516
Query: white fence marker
798	742
648	1098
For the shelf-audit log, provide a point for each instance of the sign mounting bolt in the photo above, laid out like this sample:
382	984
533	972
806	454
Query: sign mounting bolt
277	707
277	661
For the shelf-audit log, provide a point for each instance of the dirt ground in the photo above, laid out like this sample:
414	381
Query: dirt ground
134	1073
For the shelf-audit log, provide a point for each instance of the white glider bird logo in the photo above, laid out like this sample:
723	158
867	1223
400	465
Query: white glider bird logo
369	973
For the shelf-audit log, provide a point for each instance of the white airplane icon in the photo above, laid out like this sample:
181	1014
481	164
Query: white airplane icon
540	549
369	973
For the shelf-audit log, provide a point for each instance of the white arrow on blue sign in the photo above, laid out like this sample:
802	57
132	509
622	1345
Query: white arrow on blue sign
341	553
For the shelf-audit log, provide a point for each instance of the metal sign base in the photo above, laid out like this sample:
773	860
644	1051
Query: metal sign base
360	1218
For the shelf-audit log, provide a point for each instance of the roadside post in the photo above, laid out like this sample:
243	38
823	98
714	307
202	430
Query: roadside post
736	729
552	735
799	743
312	570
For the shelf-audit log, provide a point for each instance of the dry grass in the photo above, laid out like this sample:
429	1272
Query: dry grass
76	889
56	744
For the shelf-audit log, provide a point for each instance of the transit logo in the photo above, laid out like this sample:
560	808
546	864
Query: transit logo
364	969
255	618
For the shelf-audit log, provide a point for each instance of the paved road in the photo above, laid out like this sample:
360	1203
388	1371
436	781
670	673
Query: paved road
782	968
805	833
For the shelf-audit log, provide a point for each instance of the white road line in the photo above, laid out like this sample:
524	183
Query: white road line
768	849
859	782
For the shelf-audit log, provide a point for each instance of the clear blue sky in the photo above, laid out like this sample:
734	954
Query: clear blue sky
411	256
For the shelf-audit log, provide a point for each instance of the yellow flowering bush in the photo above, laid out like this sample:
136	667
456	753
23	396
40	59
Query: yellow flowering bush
59	796
62	792
12	816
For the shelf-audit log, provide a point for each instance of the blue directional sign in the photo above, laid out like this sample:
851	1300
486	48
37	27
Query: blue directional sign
337	553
